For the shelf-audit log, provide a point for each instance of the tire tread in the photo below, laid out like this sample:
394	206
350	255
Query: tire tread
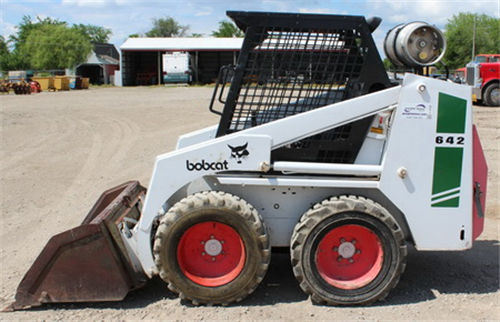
331	207
216	199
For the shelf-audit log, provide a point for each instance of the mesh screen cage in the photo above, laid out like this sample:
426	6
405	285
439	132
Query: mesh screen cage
294	63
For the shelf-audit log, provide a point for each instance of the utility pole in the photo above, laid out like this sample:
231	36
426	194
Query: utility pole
474	39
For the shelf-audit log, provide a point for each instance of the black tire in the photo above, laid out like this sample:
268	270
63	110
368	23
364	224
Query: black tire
492	95
348	250
212	248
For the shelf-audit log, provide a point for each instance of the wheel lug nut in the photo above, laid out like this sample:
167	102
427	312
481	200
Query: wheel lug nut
351	260
202	242
222	242
342	240
340	258
335	249
203	254
353	241
212	237
213	259
358	251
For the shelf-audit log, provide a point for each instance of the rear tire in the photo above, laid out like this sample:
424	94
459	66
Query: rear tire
212	248
492	95
348	250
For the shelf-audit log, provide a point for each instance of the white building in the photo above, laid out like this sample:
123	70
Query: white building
141	58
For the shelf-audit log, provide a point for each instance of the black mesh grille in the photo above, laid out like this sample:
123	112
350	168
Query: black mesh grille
291	72
291	64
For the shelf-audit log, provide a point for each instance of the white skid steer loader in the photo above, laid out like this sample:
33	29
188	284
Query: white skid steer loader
316	150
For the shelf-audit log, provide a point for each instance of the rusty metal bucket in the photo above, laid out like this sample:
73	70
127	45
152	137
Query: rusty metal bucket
88	263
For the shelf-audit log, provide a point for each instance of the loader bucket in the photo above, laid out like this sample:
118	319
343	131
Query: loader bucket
88	263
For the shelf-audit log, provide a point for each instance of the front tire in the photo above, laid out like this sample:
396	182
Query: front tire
348	250
212	248
492	95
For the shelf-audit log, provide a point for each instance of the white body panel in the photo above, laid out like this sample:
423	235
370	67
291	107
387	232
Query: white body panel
375	142
412	146
282	200
395	167
196	137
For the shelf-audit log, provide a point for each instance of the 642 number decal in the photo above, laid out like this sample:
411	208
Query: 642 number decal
450	140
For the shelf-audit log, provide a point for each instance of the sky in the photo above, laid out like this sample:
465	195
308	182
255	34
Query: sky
126	17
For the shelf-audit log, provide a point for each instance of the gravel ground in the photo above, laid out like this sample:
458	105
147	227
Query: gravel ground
59	151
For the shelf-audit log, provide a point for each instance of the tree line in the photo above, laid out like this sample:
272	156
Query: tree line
51	44
470	34
45	44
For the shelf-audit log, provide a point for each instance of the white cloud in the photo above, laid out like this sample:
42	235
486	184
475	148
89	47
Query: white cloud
203	13
7	29
398	18
321	11
89	3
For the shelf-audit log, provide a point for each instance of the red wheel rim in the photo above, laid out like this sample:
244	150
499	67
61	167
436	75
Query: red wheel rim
349	257
211	254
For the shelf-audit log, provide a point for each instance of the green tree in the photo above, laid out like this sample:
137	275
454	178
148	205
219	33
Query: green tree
4	54
27	25
56	47
227	29
95	33
167	27
464	29
17	58
42	42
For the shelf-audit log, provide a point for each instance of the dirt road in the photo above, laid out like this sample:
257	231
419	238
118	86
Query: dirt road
59	151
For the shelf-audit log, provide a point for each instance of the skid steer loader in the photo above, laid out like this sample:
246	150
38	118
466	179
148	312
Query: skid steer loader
317	150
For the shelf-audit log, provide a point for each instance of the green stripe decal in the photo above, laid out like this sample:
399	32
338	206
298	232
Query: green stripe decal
451	114
447	169
448	160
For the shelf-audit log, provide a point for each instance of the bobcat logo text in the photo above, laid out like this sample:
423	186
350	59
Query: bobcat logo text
206	166
239	153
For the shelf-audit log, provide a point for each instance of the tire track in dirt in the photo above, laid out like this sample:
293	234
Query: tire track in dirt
109	142
112	139
58	126
31	161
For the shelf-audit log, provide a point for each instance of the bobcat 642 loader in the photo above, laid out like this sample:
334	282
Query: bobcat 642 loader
316	150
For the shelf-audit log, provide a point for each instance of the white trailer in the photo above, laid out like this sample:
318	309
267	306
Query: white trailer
176	67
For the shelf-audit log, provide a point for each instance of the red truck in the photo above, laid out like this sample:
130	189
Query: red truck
483	74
